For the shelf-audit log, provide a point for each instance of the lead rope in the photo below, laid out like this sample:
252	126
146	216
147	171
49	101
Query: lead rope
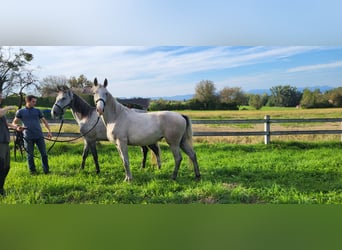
59	132
73	139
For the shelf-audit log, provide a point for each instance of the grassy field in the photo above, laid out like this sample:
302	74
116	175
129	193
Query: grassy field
274	112
283	172
295	170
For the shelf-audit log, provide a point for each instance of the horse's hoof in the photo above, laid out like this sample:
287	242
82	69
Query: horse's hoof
128	179
197	177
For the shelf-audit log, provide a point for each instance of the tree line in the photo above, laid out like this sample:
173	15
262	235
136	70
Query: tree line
207	98
16	80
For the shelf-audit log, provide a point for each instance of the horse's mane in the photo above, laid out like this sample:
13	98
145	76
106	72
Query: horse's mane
117	106
81	106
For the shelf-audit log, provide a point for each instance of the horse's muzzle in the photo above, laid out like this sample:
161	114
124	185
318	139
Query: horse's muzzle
55	115
99	111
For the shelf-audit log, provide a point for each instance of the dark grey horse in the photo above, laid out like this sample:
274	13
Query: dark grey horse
90	125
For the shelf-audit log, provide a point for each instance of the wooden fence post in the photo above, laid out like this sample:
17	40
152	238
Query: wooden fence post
267	129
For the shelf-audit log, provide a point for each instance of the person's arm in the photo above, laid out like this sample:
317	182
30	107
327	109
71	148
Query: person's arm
15	121
46	124
14	125
3	111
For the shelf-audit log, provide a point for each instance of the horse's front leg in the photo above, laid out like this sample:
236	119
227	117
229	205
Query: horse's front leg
84	154
123	151
95	156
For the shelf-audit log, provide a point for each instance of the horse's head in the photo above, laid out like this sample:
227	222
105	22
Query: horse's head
63	101
100	96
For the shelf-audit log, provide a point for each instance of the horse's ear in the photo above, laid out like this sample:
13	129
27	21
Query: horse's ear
63	88
95	81
105	83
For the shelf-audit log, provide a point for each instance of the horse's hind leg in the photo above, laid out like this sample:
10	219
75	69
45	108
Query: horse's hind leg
192	155
156	150
144	150
178	159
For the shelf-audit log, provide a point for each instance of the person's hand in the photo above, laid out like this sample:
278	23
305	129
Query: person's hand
49	134
11	107
20	128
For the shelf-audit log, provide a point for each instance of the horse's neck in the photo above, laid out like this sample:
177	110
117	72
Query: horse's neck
79	108
114	110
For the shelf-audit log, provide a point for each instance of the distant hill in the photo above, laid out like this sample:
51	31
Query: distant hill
259	91
322	88
174	98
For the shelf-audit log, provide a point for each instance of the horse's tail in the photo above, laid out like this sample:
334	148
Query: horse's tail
154	160
187	137
188	132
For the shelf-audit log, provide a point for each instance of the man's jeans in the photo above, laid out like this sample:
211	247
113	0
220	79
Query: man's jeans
29	146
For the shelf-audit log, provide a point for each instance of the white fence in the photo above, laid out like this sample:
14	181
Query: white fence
267	132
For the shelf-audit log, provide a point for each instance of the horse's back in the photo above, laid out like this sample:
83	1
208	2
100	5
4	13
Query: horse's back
148	128
93	127
169	117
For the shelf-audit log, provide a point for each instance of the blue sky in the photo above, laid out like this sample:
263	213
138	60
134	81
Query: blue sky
149	71
176	22
158	48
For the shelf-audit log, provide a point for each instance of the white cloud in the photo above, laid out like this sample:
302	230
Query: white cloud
158	71
336	64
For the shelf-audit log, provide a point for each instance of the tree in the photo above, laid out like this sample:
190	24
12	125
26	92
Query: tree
49	84
285	96
335	96
11	66
80	83
313	99
256	101
23	81
233	95
205	93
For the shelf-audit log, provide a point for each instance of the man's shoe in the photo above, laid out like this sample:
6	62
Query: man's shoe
2	192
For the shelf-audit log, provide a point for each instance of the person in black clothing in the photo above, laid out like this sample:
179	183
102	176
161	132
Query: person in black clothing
4	144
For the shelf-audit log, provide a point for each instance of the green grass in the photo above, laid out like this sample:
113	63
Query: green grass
274	112
283	172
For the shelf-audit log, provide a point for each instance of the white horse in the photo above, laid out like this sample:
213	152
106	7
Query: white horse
92	128
126	127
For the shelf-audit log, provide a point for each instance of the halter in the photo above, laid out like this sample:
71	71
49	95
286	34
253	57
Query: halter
62	108
101	99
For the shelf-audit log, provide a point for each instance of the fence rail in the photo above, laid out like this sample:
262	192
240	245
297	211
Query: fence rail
267	132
